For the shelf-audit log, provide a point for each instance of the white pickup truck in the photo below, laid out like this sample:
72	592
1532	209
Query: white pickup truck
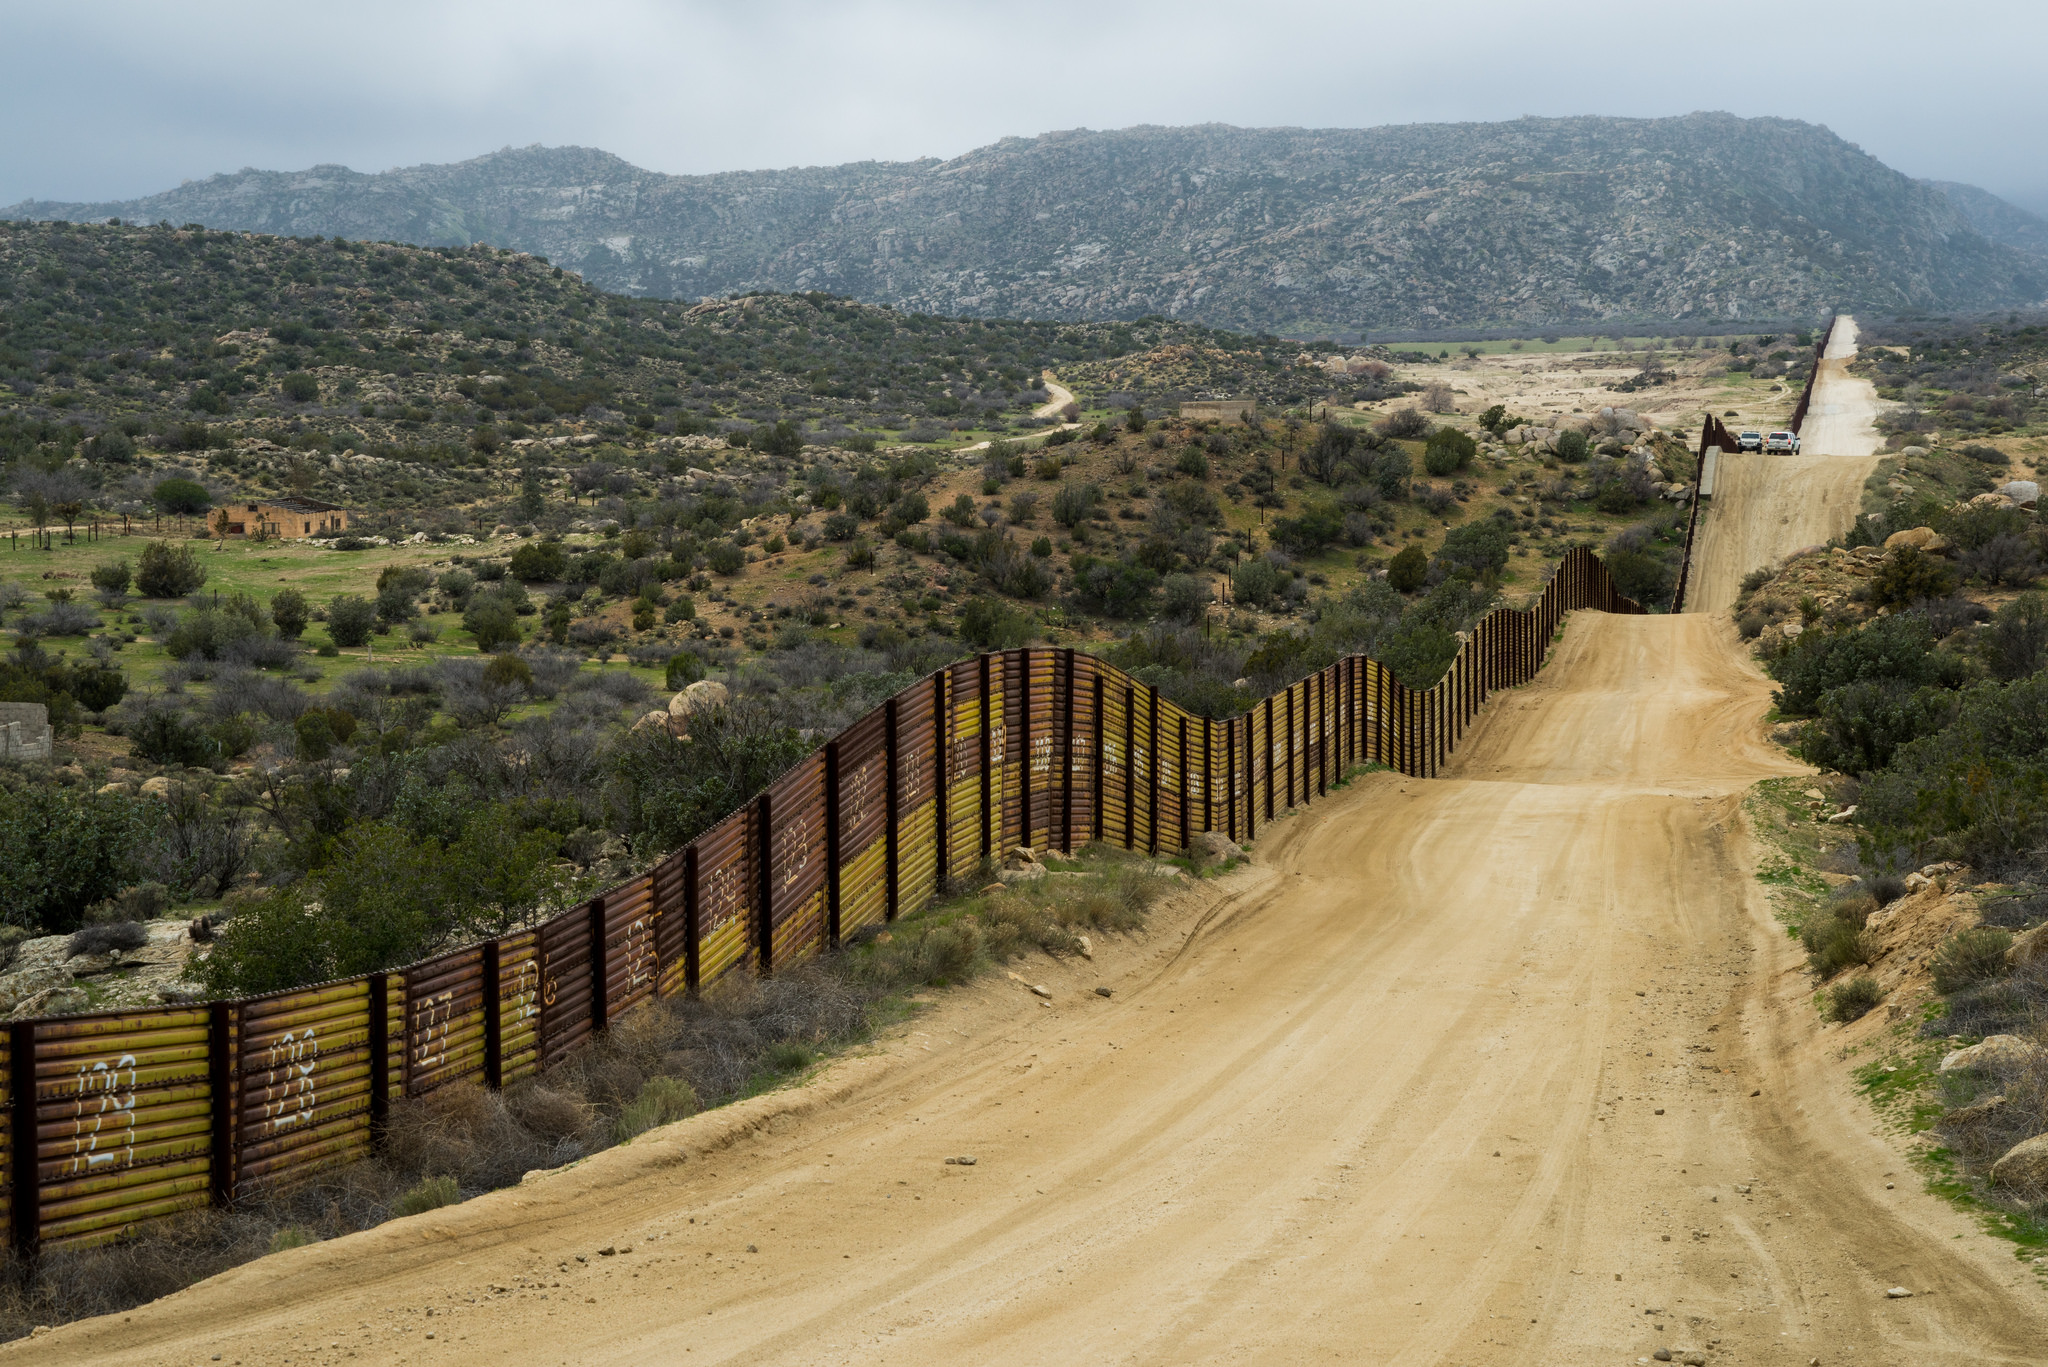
1782	443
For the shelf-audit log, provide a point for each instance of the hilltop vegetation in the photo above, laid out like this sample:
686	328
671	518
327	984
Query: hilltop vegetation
1299	231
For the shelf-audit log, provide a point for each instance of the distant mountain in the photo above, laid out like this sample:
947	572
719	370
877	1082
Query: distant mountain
1995	218
1301	231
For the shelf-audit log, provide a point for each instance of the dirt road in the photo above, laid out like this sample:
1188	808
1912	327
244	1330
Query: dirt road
1767	506
1508	1067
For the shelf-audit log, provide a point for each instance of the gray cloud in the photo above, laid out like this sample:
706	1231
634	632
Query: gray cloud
118	99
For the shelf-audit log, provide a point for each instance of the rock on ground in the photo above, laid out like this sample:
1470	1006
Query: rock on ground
1997	1050
2024	1167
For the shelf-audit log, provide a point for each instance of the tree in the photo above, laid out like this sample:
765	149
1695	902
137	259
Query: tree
492	622
289	612
1480	548
1572	446
1908	574
1448	451
1317	528
65	852
1324	459
112	578
532	498
1407	570
350	619
300	387
167	571
177	494
539	562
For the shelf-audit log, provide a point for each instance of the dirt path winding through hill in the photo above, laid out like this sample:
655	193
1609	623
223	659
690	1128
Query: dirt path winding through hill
1765	507
1507	1067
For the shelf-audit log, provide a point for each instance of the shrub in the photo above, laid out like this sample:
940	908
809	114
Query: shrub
1572	446
1408	569
1073	502
1643	576
1255	582
1184	597
106	939
2016	643
1403	424
1899	647
1854	999
1448	451
726	558
539	562
167	571
660	1101
1616	496
1833	943
180	495
164	736
493	622
432	1193
993	624
683	669
1479	548
112	578
300	387
1314	530
65	851
1908	574
1193	463
1970	957
1863	724
350	619
289	613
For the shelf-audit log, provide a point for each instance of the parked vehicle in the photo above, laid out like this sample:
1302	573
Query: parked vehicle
1750	441
1782	443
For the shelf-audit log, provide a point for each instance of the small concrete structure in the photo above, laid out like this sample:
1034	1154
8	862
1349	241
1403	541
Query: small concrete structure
25	731
285	517
1218	410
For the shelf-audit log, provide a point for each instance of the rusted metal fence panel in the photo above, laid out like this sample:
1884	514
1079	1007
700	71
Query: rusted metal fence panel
797	860
632	962
725	895
121	1123
304	1079
917	844
444	1022
565	985
519	1001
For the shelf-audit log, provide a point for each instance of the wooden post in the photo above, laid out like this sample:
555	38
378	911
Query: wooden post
832	844
693	960
225	1099
764	882
494	1017
891	853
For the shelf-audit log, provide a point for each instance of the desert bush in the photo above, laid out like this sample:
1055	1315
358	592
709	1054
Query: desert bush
166	571
1409	568
659	1101
1854	999
1968	958
1448	451
350	620
1908	574
1403	424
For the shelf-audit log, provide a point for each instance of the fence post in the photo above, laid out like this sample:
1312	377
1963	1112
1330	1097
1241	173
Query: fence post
832	843
1066	753
25	1196
1024	756
1130	767
693	960
1095	803
988	840
600	975
1152	773
942	783
1181	777
380	1054
222	1094
890	852
764	881
1208	774
494	1018
1251	771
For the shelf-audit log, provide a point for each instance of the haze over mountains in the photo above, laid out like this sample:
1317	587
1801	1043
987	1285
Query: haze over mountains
1298	231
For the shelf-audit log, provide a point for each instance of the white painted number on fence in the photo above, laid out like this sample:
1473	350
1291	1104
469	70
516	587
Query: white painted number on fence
293	1061
103	1125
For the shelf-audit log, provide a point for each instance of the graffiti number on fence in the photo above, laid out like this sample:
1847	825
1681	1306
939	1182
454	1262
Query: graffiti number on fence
432	1018
289	1083
103	1125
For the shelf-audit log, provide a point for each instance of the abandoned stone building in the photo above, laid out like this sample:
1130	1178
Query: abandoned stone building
285	517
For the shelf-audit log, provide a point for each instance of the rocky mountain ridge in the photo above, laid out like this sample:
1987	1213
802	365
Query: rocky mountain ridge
1298	231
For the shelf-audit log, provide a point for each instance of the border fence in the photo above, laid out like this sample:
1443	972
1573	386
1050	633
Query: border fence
1715	438
113	1119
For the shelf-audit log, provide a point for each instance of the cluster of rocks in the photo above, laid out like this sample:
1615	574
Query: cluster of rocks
51	976
701	696
2024	1166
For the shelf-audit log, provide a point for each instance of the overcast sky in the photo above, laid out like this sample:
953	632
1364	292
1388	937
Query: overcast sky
117	99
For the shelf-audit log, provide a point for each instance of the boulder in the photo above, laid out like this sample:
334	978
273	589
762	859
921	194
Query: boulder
1997	1051
1020	865
2029	948
159	786
1976	1113
658	718
698	697
2025	492
1919	538
28	985
2024	1167
1210	847
56	1001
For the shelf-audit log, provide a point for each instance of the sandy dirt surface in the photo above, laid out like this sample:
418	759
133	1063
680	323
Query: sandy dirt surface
1507	1067
1765	507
